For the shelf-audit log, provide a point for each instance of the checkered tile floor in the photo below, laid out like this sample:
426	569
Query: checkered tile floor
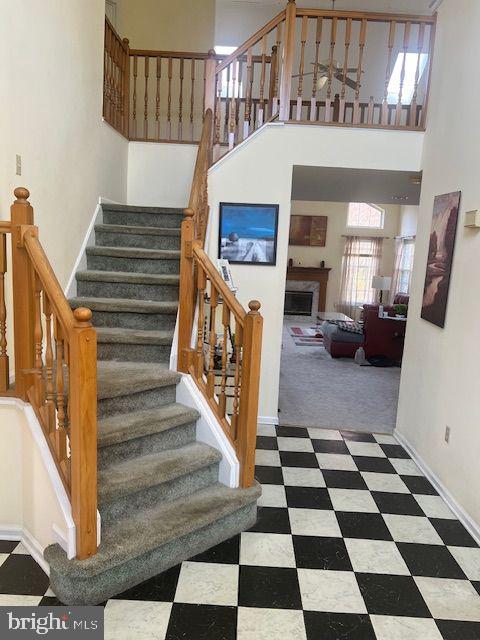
352	542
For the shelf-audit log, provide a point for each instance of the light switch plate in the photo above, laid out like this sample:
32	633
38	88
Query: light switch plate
472	219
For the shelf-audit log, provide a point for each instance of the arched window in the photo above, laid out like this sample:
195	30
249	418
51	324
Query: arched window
369	216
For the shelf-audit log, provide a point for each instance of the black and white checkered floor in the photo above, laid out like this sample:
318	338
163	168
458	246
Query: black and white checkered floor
352	542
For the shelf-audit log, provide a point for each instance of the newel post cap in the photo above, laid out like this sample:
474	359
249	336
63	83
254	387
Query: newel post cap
254	306
188	212
21	194
82	315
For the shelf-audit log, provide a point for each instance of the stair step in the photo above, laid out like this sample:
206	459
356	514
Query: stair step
119	335
134	345
161	217
120	479
133	259
133	434
115	235
124	284
142	545
130	386
129	312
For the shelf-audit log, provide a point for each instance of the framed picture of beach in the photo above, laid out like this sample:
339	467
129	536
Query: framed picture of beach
248	233
440	257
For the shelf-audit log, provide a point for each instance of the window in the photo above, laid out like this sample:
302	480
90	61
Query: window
411	62
361	261
406	266
361	214
230	88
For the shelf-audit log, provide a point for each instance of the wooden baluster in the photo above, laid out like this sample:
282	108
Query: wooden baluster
370	110
328	101
169	105
237	356
218	115
186	309
271	81
391	43
406	45
49	387
134	96
201	286
4	366
431	47
420	43
227	105
157	98
82	406
361	50
38	373
278	44
145	112
180	100
301	68
126	89
318	42
288	57
212	341
261	112
61	431
248	98
232	106
105	74
336	108
222	400
238	107
192	96
247	423
348	35
210	82
107	84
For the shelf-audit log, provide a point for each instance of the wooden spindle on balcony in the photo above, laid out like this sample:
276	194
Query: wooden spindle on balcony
157	97
301	67
263	67
271	80
238	107
406	45
318	42
348	35
169	99
328	101
134	96
370	110
248	98
388	72
218	115
420	44
231	86
145	99
180	99
361	50
212	342
4	365
126	89
278	45
192	97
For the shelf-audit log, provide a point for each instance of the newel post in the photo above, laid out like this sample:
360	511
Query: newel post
83	431
247	429
186	293
23	295
287	62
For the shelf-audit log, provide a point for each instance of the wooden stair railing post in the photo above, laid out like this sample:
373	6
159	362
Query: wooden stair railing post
23	298
250	372
83	431
287	62
186	294
210	81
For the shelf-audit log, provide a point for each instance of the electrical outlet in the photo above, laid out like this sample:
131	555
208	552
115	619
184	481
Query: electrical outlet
18	163
447	434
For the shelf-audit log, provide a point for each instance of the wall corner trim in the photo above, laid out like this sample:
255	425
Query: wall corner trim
268	420
470	525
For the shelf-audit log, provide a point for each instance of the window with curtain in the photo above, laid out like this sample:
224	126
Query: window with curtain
361	261
368	216
402	274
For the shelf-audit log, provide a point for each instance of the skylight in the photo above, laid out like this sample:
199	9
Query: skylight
409	79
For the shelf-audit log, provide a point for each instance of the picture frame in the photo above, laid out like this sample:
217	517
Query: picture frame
247	233
308	231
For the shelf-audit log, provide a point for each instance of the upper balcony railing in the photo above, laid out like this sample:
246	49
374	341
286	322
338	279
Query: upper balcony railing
316	66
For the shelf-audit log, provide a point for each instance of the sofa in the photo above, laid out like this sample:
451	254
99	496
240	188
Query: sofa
381	337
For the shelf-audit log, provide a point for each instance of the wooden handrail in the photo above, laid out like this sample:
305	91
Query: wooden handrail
198	200
371	16
55	355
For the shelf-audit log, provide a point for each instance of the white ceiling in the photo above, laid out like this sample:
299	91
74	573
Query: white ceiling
387	6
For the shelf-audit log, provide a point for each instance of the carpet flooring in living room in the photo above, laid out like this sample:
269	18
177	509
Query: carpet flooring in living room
317	390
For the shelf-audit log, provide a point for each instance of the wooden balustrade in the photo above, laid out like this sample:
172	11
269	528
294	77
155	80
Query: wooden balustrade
116	77
55	360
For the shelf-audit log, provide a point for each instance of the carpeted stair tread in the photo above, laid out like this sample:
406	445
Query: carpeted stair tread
120	335
149	529
137	231
115	305
119	479
138	424
133	252
139	209
129	277
121	378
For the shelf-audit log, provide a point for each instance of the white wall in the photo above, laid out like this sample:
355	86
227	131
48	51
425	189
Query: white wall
332	252
408	220
440	376
160	174
260	170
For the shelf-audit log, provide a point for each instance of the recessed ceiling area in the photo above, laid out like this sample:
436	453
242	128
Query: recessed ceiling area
331	184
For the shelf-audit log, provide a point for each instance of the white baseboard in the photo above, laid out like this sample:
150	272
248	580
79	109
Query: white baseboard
268	420
470	525
34	548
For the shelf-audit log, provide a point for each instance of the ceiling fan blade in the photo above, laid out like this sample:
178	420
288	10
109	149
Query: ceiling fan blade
348	81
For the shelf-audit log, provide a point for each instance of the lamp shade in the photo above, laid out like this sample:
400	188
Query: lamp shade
381	283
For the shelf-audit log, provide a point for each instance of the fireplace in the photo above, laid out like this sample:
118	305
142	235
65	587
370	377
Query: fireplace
298	303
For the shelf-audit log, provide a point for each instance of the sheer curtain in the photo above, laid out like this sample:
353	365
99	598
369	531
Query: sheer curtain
402	273
361	261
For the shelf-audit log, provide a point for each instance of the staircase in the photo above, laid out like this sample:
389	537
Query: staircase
158	492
